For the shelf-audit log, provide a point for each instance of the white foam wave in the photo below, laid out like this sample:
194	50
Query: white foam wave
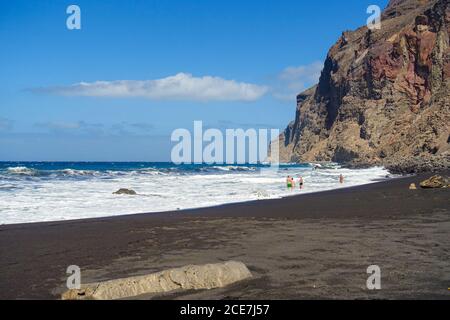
73	172
21	171
234	168
32	200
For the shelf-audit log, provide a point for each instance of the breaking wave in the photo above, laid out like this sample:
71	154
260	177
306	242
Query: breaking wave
31	192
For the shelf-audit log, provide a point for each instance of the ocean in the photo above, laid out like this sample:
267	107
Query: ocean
55	191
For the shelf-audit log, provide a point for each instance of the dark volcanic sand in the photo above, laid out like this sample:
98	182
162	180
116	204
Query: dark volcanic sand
304	247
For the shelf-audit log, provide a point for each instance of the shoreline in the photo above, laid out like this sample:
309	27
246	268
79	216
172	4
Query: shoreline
308	246
85	200
181	211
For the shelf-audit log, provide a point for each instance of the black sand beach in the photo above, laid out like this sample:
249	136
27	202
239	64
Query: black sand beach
310	246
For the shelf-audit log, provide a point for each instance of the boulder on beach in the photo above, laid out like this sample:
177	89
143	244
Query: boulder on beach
192	277
125	191
412	186
435	182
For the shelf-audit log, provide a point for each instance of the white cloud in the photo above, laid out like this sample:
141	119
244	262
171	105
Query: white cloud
182	86
98	129
67	127
306	73
293	80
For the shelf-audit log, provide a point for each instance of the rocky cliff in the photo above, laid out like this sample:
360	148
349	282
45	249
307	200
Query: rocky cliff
383	95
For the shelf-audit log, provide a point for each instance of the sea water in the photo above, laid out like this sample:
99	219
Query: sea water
53	191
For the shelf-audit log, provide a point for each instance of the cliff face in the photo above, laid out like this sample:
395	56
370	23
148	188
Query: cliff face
383	96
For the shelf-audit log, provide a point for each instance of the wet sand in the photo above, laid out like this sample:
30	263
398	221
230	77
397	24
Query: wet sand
312	246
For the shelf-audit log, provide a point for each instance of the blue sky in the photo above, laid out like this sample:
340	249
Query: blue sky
162	65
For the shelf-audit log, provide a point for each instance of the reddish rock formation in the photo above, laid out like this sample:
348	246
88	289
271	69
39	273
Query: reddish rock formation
383	95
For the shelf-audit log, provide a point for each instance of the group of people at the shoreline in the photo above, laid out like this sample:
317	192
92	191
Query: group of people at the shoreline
290	182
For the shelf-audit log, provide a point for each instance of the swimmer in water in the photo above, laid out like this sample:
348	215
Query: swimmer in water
290	182
300	182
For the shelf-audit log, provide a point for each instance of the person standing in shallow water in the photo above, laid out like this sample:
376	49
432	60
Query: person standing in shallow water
290	182
341	178
300	182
